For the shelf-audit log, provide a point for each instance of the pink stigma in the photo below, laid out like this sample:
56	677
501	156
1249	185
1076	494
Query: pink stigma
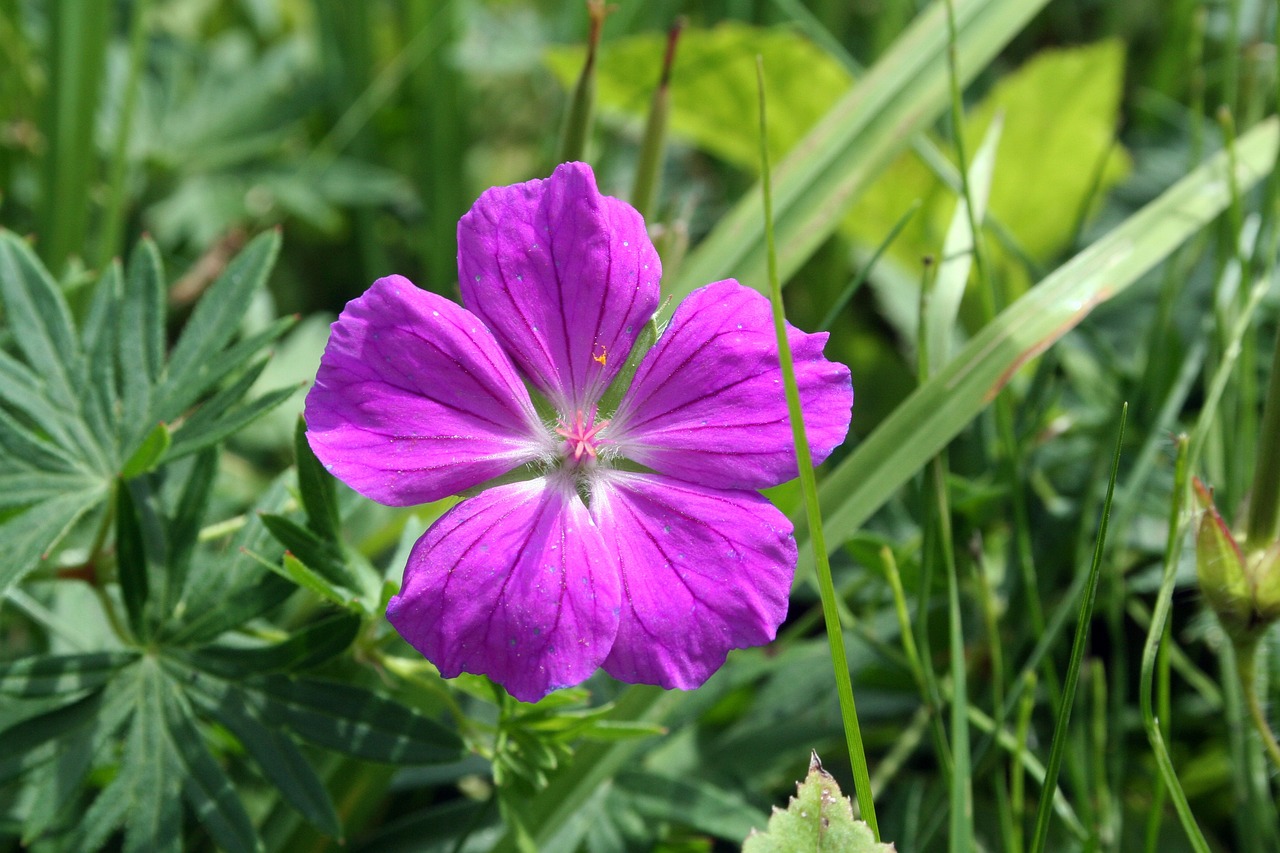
579	438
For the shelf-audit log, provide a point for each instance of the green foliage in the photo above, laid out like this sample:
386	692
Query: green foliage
194	651
818	818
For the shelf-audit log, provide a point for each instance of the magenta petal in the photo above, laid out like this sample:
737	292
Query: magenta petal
515	584
708	405
565	277
414	400
703	571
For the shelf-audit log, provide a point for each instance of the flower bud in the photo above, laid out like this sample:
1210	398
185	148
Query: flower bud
1241	585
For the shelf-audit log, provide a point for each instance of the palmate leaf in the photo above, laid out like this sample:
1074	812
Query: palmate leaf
79	408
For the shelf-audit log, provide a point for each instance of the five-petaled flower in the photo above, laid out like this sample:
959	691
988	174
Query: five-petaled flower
638	541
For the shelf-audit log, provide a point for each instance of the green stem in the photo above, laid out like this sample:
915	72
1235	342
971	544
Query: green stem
577	122
808	486
649	168
113	222
1247	670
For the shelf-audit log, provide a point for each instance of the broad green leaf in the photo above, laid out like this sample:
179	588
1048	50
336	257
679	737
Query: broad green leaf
308	647
274	752
356	721
206	788
939	409
713	85
958	254
904	92
316	487
217	315
149	453
819	819
1057	146
50	674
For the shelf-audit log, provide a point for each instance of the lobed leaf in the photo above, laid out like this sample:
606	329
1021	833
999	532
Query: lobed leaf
316	487
356	721
217	316
47	675
305	648
819	818
30	537
274	752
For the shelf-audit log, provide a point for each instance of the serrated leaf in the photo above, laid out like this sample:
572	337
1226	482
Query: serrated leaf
218	314
52	674
205	787
356	721
149	452
311	646
819	819
275	753
316	487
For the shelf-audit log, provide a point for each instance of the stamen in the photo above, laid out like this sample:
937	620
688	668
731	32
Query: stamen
580	438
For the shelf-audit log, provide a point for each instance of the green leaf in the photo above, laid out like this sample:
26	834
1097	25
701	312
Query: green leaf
145	795
356	721
218	314
239	606
275	753
205	787
326	558
141	347
149	453
184	527
132	559
39	318
937	411
316	487
311	646
1061	107
52	674
852	144
693	802
39	740
217	419
819	819
713	85
30	538
297	572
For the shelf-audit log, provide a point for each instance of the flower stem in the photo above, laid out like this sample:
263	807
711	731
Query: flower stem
1264	500
809	488
1247	670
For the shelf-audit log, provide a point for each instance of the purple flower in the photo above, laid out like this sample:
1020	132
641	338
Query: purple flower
636	540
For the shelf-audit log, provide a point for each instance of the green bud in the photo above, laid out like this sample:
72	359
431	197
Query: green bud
1242	586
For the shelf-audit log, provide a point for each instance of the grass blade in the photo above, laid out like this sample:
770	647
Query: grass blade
1059	743
937	411
903	93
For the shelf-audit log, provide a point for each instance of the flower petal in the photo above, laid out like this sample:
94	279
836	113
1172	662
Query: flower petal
565	277
515	584
414	400
703	571
708	405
